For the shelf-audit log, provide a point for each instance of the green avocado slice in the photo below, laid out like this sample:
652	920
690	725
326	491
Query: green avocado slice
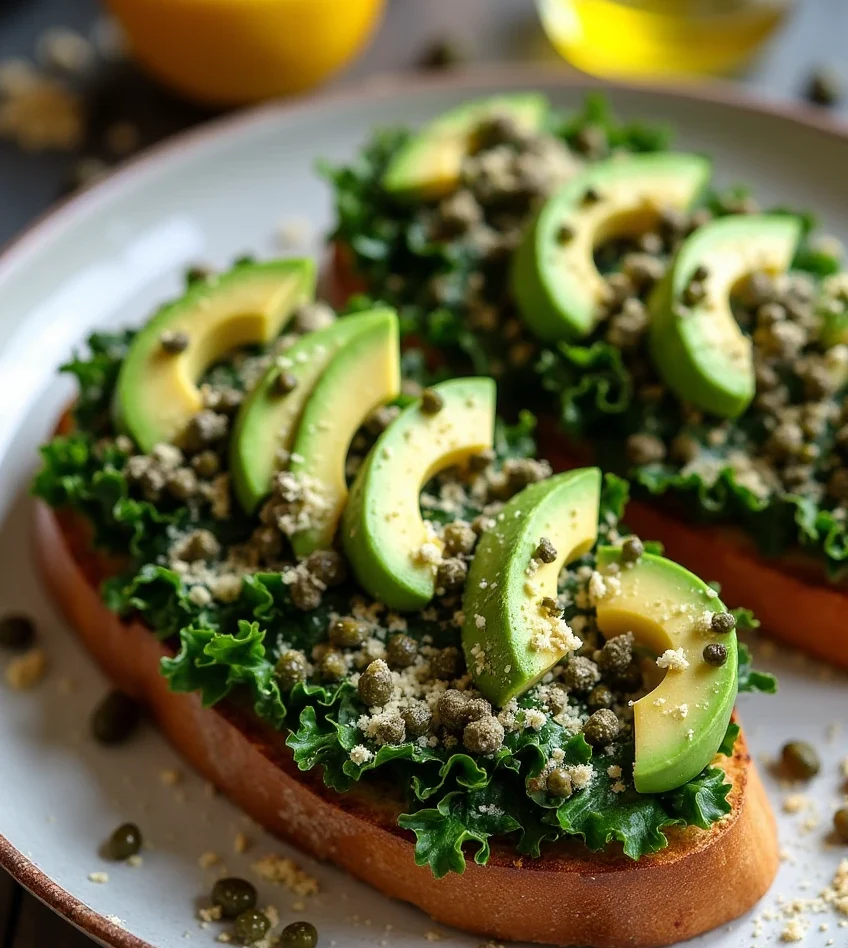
680	724
361	376
267	421
696	344
554	278
509	637
157	391
429	164
383	531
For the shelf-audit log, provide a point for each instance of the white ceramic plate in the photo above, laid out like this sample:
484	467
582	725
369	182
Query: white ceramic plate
105	259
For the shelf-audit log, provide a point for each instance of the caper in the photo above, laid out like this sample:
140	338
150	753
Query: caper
459	538
375	684
251	926
234	895
327	566
715	654
196	273
565	233
723	622
16	631
551	606
173	342
416	719
299	935
840	823
348	633
545	551
447	663
291	668
401	651
601	728
591	196
800	760
115	718
332	666
631	550
124	842
431	402
285	382
600	697
559	783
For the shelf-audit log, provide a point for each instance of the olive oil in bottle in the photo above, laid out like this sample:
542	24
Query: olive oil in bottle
644	38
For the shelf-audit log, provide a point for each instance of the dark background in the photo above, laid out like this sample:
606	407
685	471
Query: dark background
814	37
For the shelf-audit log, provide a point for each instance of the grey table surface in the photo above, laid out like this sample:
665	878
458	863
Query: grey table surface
490	30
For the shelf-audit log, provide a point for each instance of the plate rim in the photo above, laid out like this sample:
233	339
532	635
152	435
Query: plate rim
15	251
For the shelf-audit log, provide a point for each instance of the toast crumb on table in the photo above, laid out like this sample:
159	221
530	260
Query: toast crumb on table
285	872
27	670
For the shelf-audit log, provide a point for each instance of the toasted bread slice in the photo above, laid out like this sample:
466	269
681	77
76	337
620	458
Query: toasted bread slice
790	595
568	897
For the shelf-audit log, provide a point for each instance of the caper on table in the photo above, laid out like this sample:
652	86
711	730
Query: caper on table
124	842
16	631
800	760
234	895
840	823
299	935
251	926
115	718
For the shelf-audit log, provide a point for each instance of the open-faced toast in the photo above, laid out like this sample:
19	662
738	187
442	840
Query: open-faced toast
568	897
784	592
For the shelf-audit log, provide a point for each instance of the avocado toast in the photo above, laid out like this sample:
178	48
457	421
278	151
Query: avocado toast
677	335
390	633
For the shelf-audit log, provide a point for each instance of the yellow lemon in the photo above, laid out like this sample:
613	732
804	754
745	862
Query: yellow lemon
228	52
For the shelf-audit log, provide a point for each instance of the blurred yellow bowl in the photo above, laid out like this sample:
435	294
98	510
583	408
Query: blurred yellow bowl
230	52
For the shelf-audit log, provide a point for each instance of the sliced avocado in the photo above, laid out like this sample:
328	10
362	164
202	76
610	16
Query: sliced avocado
833	309
696	343
429	164
680	724
509	637
554	278
157	390
383	530
267	421
362	375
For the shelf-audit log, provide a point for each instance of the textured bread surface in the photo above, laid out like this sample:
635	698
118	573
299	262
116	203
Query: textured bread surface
568	897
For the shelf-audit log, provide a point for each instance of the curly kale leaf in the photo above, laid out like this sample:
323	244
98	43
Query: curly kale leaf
96	374
703	801
751	680
728	742
460	818
630	136
217	663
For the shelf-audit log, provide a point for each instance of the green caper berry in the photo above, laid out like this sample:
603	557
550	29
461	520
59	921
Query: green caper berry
700	273
551	606
416	720
401	651
124	842
800	760
196	273
591	196
715	655
251	926
375	684
291	668
234	895
16	631
332	666
173	342
115	718
286	382
632	550
347	633
723	623
431	402
840	823
299	935
559	783
545	551
600	697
